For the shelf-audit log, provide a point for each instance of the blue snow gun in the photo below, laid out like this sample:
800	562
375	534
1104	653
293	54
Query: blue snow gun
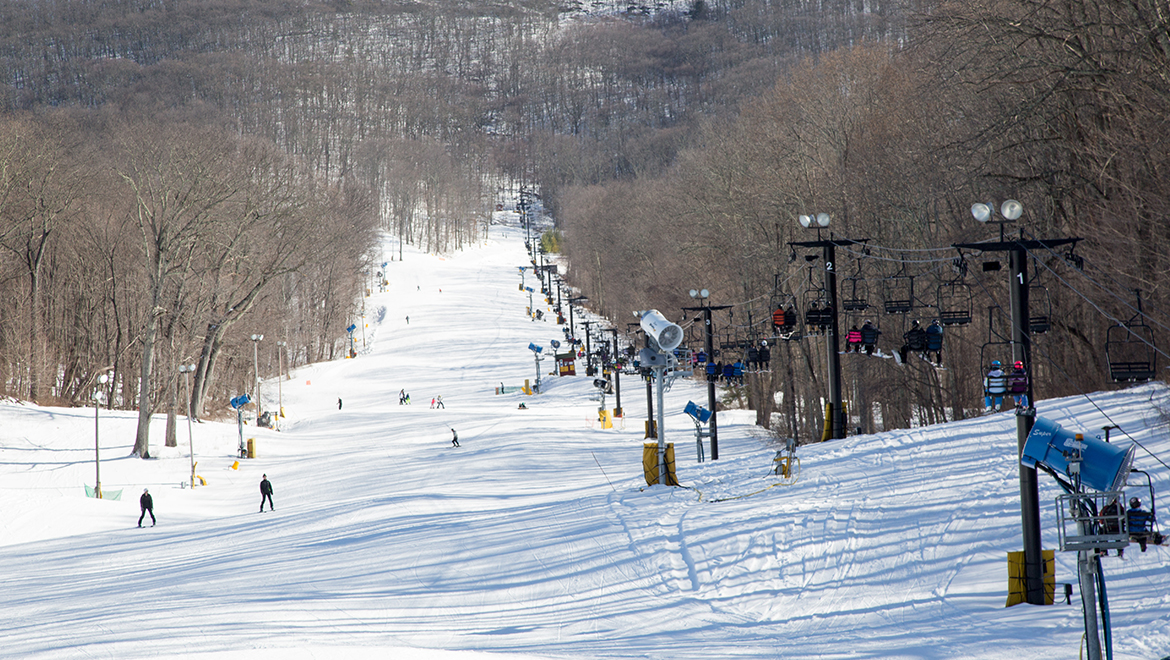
240	401
1104	466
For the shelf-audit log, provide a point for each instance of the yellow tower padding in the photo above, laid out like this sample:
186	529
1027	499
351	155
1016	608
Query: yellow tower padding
603	417
1018	582
650	463
827	433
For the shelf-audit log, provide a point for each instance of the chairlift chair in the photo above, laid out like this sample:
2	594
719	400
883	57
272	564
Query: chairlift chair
1143	531
1039	309
784	316
899	292
1130	349
954	303
855	292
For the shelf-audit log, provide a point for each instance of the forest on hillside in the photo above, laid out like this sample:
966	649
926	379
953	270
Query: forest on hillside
178	176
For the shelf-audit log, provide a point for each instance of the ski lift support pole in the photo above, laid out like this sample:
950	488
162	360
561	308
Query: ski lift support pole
708	331
832	345
617	377
1017	250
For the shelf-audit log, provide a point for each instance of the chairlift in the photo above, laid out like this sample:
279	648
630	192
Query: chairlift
1039	309
784	316
954	302
899	292
1143	529
1130	349
818	313
999	349
855	292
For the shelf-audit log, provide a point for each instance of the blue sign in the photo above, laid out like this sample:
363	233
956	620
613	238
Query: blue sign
240	401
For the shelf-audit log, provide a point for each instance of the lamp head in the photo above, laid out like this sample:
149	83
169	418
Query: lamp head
805	221
1011	209
982	212
822	219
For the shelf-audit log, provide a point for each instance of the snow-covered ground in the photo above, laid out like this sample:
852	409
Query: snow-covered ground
538	537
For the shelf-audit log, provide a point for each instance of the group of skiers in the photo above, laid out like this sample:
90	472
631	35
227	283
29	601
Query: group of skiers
146	501
999	383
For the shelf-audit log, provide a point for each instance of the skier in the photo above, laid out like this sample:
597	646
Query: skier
934	338
853	340
915	339
339	403
432	403
401	397
266	493
1018	384
439	402
147	504
869	337
1138	521
994	386
454	438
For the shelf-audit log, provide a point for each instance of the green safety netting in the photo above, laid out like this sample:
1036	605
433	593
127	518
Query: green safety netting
106	494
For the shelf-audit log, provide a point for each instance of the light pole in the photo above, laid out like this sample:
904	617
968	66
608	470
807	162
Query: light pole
98	395
835	418
280	346
572	331
186	370
1018	250
256	370
708	346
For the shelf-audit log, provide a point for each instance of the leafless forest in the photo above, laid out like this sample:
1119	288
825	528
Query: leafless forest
175	176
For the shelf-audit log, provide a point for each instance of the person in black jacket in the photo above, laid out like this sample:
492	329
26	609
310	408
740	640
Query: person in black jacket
266	494
147	504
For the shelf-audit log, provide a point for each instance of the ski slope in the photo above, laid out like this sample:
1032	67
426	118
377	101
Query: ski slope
538	537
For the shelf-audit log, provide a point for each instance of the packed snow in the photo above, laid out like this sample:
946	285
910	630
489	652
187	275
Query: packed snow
538	537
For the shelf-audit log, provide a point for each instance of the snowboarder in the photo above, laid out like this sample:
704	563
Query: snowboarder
266	493
994	386
454	438
147	504
339	403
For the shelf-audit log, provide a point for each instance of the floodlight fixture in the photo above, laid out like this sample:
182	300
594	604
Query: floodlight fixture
822	219
805	221
1011	209
982	212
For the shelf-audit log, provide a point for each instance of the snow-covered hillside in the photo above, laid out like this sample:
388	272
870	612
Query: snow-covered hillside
538	536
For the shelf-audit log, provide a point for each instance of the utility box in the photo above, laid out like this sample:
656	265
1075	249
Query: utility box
251	448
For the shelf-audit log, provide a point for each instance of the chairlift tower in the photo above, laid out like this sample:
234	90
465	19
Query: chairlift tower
617	377
836	415
708	331
1017	250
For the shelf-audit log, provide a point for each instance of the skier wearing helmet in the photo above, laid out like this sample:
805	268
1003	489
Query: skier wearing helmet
1018	384
994	386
